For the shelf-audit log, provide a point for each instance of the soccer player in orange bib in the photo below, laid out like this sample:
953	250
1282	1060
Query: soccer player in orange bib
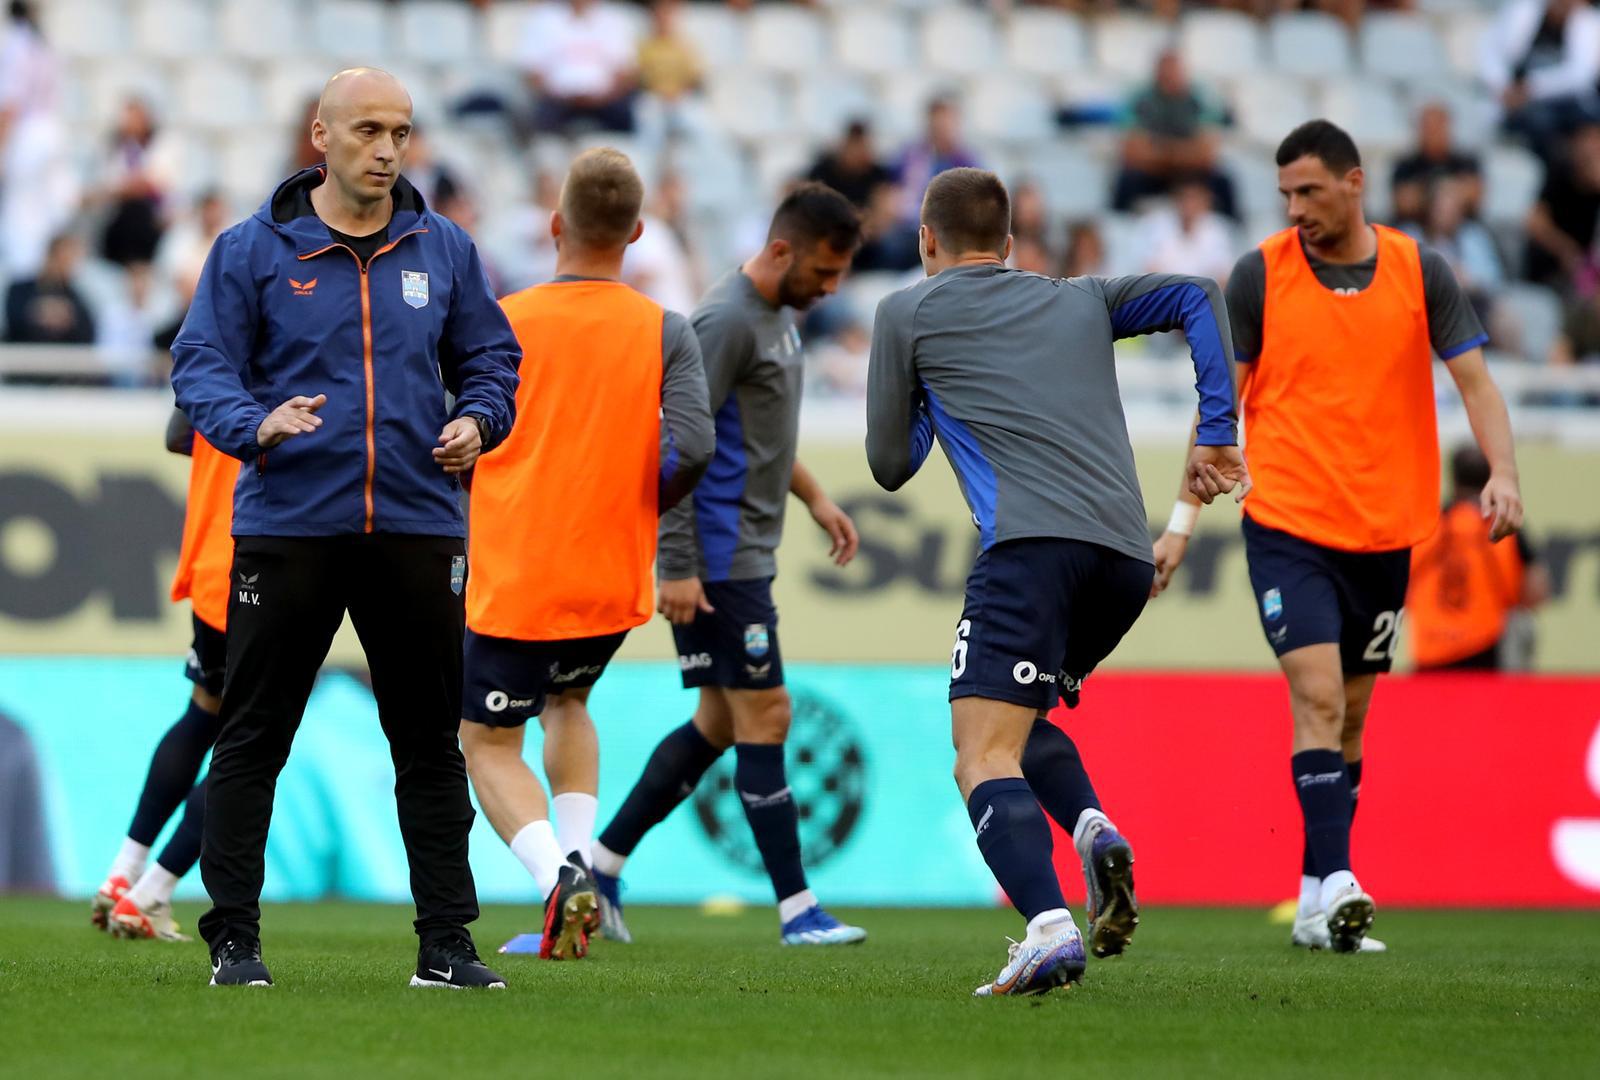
613	427
136	899
1335	325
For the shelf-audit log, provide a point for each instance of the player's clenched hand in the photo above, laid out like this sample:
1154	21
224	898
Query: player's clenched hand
681	600
461	442
297	416
1501	503
840	529
1217	470
1170	548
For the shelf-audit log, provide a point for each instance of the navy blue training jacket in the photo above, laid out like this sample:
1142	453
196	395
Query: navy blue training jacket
283	309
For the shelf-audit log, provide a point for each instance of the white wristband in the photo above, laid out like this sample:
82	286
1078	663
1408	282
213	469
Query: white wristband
1184	515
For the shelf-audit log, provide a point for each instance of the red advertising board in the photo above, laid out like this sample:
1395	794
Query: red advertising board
1477	789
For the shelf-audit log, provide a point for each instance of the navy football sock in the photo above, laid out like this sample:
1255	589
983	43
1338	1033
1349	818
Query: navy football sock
669	777
1323	786
1308	864
1055	773
774	819
183	847
173	769
1015	840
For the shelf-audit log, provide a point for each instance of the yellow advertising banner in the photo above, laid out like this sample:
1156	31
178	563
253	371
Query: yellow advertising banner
91	516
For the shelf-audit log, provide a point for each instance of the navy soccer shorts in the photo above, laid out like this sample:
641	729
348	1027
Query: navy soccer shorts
736	646
208	657
1039	611
1307	594
506	682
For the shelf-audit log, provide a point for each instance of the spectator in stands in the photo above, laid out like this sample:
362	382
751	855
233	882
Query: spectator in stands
659	264
1541	59
1463	242
1086	250
852	167
1172	131
941	147
1435	158
1188	237
126	331
435	180
670	67
1464	588
1030	217
580	61
39	190
184	247
48	309
888	244
1561	225
1579	340
1032	254
139	175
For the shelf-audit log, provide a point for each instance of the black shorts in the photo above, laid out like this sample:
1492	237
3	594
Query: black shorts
735	646
506	682
208	657
1307	594
1040	610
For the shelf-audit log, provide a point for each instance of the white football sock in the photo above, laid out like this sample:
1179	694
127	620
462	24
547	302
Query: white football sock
574	812
155	886
1045	924
536	848
605	860
130	860
1334	884
1310	896
794	906
1089	822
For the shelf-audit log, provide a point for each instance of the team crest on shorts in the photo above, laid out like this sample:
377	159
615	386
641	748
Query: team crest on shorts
756	642
1272	604
414	287
458	573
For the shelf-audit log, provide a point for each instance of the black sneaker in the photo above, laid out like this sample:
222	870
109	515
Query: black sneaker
571	912
453	963
237	962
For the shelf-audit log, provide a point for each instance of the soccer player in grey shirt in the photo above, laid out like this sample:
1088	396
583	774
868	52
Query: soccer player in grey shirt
717	560
1014	374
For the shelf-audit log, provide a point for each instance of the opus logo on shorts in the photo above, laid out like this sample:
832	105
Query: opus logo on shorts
500	701
1027	673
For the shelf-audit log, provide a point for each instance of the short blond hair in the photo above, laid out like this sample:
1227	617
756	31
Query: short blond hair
601	198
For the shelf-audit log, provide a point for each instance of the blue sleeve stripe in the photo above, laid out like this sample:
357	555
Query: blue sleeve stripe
1465	346
669	460
973	470
1186	305
717	499
921	435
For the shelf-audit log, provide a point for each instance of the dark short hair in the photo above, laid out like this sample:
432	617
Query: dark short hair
968	210
1469	469
1323	140
814	212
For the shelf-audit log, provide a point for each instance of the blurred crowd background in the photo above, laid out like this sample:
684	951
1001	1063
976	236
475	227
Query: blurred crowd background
1135	136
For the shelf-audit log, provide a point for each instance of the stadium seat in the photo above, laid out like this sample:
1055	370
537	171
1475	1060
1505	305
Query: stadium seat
1473	116
438	32
1512	178
1267	107
717	32
903	103
1124	241
257	31
86	28
288	85
781	161
503	25
1255	180
1463	41
1310	44
214	95
1369	111
251	164
825	104
749	105
959	41
1043	42
1216	44
1401	46
108	83
1009	109
1075	184
872	40
349	30
786	39
1536	316
174	29
1129	46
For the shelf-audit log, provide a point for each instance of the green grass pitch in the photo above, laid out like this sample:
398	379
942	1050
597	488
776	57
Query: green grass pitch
1202	993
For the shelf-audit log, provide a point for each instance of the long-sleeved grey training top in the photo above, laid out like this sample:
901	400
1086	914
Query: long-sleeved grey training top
728	529
1015	374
